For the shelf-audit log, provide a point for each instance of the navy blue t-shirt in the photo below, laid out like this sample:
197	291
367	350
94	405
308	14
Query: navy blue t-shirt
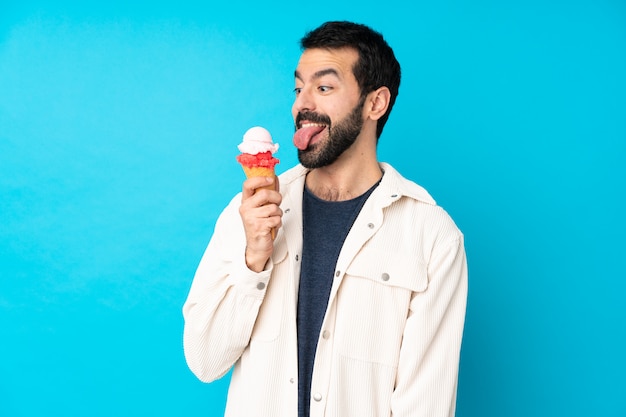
325	227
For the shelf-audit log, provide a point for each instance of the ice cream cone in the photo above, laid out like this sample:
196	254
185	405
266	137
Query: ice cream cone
260	172
256	157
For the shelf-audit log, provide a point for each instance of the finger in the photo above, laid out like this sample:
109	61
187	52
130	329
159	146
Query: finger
256	210
252	185
263	197
259	224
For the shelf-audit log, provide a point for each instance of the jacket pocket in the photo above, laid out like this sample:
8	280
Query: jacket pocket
395	270
373	305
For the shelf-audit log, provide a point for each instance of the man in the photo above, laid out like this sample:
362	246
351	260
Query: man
356	308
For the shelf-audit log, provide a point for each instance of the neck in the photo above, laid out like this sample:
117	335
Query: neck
340	182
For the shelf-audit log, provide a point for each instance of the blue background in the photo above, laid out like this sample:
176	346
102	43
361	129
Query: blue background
118	133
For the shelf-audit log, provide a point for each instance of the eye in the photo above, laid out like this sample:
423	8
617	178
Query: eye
324	88
297	90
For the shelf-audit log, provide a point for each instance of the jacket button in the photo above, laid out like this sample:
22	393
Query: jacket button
370	225
325	334
385	276
260	285
317	396
337	273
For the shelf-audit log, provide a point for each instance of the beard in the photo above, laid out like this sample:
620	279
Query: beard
340	137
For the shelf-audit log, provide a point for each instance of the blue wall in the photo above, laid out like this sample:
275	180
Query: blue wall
118	131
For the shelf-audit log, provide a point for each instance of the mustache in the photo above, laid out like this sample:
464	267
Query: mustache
312	117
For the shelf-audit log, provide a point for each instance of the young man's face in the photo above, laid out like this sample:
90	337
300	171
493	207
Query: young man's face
328	108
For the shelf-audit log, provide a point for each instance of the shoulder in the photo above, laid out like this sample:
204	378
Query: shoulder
393	182
293	174
416	207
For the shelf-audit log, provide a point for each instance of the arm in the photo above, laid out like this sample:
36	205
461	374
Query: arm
226	293
427	376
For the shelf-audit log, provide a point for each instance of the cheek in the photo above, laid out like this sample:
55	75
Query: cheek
338	109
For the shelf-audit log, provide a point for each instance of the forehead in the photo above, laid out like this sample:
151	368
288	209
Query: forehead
315	62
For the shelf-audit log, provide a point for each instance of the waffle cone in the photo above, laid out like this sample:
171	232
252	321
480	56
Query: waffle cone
260	172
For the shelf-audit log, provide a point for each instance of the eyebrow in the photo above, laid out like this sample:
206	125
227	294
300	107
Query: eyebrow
319	74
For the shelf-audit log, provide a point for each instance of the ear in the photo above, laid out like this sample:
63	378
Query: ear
378	102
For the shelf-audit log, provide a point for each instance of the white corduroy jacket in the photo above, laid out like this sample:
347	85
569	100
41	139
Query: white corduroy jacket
391	337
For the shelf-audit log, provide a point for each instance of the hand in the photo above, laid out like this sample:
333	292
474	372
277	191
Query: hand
261	214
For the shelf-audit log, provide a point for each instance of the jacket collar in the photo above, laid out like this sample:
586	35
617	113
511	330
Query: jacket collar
392	185
395	184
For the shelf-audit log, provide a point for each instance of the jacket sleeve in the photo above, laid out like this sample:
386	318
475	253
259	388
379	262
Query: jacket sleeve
223	302
427	376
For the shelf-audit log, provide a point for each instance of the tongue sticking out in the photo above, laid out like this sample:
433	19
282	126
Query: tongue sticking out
303	136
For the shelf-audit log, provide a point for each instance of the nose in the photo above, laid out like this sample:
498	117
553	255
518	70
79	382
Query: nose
303	101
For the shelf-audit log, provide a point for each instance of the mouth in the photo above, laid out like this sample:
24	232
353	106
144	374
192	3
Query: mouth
308	133
306	124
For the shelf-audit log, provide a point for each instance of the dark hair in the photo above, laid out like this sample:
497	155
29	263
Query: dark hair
377	65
